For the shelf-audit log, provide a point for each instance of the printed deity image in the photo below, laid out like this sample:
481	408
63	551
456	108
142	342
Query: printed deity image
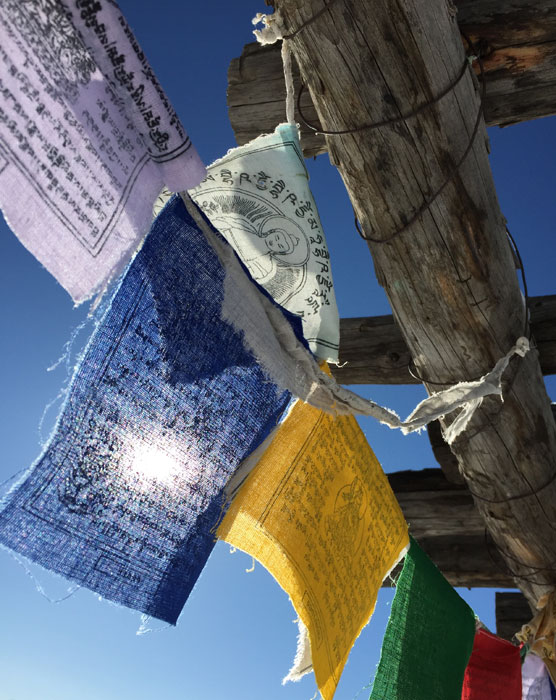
276	249
259	199
344	524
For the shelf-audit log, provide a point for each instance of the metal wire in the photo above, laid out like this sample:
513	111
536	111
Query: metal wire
385	122
511	572
291	35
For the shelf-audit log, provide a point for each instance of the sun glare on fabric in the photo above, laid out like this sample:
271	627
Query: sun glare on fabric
151	464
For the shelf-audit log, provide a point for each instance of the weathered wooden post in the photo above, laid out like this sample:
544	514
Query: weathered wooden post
519	38
439	243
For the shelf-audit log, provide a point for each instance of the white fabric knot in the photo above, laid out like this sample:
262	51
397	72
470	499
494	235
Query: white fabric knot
272	30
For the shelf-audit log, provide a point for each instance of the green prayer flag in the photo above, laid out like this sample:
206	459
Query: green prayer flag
429	637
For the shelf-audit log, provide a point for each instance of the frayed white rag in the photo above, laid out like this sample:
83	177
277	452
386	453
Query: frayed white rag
270	338
272	30
303	660
87	138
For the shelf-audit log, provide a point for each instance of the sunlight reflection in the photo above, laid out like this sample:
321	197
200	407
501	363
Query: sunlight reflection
150	463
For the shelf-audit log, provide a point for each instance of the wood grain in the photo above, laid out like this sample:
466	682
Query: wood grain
445	522
373	350
519	38
450	277
512	612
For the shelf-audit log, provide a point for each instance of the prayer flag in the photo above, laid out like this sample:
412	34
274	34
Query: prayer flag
429	637
87	138
536	683
494	669
318	512
258	197
165	404
540	632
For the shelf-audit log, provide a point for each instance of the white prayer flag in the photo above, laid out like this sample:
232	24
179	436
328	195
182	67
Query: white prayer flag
535	679
258	197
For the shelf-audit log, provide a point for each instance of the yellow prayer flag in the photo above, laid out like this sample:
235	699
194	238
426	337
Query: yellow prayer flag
318	512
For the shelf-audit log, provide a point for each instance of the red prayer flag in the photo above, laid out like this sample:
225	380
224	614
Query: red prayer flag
493	671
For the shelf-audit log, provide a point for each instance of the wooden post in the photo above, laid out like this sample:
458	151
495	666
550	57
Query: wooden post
519	38
444	520
449	275
443	454
373	351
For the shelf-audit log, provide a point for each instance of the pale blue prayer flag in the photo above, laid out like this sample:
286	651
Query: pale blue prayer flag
165	404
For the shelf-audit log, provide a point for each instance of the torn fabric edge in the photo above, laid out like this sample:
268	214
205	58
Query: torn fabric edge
290	365
246	467
238	478
303	661
135	301
81	108
248	214
272	30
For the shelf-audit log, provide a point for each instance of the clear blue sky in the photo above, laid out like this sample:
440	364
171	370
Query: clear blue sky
235	638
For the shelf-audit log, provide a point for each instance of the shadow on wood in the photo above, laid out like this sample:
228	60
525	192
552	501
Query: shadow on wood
520	68
512	612
443	519
373	351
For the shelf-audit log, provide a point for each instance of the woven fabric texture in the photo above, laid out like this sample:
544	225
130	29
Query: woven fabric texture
540	632
258	197
87	138
163	407
429	637
493	671
318	512
536	684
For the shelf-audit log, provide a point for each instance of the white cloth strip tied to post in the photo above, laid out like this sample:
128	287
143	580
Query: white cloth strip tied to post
270	34
466	395
290	365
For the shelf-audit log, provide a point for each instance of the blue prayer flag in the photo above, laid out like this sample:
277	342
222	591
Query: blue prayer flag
165	404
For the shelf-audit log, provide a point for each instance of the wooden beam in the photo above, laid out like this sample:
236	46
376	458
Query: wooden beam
373	351
445	457
444	259
444	520
512	612
519	37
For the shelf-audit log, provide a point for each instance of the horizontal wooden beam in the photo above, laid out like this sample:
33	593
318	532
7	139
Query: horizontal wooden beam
373	351
520	67
443	519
